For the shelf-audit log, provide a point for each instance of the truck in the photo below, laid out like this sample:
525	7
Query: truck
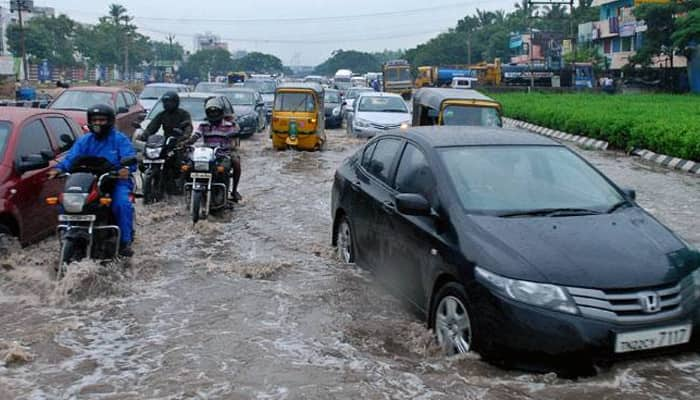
486	74
342	80
397	78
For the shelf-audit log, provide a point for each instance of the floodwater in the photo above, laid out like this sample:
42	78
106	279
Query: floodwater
253	304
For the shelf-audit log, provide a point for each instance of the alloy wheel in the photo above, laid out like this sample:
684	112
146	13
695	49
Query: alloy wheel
453	326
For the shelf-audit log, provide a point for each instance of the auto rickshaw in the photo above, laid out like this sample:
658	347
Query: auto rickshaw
298	117
438	106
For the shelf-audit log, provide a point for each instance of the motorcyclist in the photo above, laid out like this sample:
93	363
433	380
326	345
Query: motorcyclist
177	123
220	131
174	120
104	140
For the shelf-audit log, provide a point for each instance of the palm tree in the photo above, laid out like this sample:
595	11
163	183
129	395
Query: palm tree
117	13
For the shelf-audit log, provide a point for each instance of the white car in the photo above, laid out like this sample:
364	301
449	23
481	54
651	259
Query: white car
376	112
152	92
463	82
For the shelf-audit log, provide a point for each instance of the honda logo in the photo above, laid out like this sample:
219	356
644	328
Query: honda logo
650	302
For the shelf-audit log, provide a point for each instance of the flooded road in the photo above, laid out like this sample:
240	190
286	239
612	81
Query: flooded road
253	304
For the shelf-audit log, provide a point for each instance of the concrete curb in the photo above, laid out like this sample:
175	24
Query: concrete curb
663	160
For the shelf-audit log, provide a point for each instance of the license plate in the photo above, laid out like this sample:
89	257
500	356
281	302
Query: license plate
200	175
153	161
652	338
83	218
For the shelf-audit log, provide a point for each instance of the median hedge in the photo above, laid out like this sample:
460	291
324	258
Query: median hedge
666	124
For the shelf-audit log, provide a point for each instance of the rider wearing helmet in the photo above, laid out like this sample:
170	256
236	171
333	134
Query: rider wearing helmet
220	130
174	120
104	140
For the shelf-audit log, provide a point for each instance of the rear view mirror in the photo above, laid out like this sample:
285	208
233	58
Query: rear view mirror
136	125
68	139
128	161
31	162
412	204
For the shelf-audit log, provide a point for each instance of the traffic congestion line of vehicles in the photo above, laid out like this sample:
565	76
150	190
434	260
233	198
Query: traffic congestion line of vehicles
509	244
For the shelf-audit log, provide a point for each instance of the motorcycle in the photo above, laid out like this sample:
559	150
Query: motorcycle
207	182
87	227
157	169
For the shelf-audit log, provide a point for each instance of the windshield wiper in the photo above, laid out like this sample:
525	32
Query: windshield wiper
551	212
617	206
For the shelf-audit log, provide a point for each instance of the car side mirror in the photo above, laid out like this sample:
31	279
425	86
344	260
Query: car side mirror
128	161
122	110
413	204
631	194
31	162
47	154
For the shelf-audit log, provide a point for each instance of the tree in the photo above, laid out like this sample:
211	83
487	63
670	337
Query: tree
167	51
687	33
51	38
259	63
354	60
659	19
208	61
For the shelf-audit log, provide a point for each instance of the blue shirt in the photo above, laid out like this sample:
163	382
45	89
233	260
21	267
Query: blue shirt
114	147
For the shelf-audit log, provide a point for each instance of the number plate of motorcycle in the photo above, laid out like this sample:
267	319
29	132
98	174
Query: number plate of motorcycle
153	161
652	338
200	175
82	218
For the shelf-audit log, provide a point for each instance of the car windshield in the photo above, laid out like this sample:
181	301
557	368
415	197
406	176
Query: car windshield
398	74
331	97
342	85
499	180
5	129
193	105
260	86
209	86
382	104
154	92
239	98
470	116
80	100
299	102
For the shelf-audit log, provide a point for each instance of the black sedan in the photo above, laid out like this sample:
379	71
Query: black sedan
249	108
510	244
332	106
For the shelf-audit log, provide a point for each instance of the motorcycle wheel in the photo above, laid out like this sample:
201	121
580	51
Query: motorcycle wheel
196	205
147	188
67	255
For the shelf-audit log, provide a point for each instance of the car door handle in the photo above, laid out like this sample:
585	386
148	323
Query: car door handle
355	186
388	207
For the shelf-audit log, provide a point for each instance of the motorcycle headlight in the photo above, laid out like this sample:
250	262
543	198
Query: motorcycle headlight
537	294
74	202
336	111
201	166
153	152
361	122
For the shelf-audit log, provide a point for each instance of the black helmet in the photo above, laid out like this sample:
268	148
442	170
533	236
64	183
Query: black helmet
104	110
214	110
171	101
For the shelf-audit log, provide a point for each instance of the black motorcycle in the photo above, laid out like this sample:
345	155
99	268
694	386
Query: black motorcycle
208	181
160	168
87	227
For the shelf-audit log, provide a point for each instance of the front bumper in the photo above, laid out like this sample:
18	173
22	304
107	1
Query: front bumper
521	328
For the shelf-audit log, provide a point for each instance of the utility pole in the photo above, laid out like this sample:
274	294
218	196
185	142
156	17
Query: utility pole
469	48
20	6
170	38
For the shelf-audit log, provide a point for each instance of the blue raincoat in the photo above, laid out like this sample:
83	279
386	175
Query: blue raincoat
114	147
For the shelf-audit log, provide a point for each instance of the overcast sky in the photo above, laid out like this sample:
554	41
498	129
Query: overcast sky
299	32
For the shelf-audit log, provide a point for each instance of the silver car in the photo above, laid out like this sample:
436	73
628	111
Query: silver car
376	112
152	92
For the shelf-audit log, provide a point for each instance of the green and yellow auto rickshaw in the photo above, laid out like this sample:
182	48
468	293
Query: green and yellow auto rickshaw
438	106
298	117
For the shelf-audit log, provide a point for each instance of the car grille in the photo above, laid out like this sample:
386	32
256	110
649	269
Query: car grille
625	306
385	127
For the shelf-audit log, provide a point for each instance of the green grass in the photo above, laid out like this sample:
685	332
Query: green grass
666	124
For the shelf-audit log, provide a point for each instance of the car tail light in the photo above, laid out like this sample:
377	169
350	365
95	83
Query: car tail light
52	201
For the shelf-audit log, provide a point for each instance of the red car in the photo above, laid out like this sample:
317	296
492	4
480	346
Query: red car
76	100
32	141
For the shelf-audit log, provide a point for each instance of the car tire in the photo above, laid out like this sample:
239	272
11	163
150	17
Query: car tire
452	320
344	241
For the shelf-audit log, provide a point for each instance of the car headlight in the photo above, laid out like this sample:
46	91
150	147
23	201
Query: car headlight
336	111
537	294
361	122
74	202
405	124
